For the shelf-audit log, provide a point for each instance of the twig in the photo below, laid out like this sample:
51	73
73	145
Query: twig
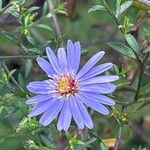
20	57
140	21
117	21
140	5
56	24
11	77
120	132
5	8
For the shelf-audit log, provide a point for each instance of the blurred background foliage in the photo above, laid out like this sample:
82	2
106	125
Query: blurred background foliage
28	26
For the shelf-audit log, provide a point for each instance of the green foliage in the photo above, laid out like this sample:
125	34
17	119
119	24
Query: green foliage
123	49
34	30
132	43
147	49
123	7
96	8
140	148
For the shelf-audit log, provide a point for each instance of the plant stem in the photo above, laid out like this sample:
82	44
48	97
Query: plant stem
141	5
118	23
11	77
110	12
5	8
20	57
55	21
141	66
120	132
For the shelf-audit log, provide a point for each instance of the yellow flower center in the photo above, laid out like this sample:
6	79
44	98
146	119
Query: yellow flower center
67	85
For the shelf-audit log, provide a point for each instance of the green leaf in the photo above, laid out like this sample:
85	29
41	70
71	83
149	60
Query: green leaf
118	7
45	9
91	140
11	73
1	109
104	147
9	37
28	67
30	39
146	89
147	49
21	80
34	50
47	142
123	49
95	8
33	9
1	4
132	42
43	26
123	7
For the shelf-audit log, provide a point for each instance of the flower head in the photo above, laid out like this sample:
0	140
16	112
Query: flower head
68	90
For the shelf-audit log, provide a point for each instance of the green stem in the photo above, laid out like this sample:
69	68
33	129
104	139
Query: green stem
55	21
118	23
110	12
21	56
140	5
4	9
11	77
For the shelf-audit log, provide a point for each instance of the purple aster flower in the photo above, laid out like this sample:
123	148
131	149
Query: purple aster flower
68	90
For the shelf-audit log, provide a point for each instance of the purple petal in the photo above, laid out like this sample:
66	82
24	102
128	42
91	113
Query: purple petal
96	106
103	88
77	49
65	117
76	113
46	66
51	113
96	70
100	79
38	99
73	55
62	58
85	115
98	98
41	107
53	60
91	62
70	54
41	87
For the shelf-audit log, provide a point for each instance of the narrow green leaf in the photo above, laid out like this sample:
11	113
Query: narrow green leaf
95	8
43	26
118	7
124	6
1	109
11	72
123	49
146	89
44	9
21	80
91	140
147	49
47	142
33	9
1	4
132	42
30	39
28	67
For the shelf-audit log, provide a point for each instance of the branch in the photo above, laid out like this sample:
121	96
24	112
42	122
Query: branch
55	21
11	77
20	57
